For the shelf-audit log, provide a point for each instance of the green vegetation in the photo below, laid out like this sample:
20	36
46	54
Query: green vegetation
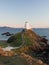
3	43
15	60
25	39
28	43
15	40
18	60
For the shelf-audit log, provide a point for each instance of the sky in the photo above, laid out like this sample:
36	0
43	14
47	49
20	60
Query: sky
14	13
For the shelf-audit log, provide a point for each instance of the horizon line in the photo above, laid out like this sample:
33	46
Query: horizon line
23	27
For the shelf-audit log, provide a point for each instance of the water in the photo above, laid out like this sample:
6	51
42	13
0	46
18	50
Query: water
10	30
42	32
39	31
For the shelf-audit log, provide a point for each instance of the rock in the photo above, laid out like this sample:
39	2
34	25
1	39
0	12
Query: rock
39	62
7	53
34	45
44	40
1	50
32	60
7	34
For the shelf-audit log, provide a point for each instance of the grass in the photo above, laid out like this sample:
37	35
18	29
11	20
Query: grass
3	43
27	41
15	40
15	60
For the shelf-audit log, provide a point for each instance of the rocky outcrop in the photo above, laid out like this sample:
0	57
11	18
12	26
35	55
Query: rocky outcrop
44	40
32	44
6	53
7	34
31	60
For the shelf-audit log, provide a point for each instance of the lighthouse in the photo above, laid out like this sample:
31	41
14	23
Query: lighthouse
27	26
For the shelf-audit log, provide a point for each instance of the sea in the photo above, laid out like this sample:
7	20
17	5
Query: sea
39	31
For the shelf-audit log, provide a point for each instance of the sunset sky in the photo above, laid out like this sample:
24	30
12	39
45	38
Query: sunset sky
14	13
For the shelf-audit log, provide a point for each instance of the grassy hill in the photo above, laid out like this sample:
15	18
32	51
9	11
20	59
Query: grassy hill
26	38
30	43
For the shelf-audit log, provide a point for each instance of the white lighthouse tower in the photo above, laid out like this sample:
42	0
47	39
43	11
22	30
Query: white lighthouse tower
27	25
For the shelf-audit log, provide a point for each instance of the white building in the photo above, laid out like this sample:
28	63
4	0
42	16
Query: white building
27	25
